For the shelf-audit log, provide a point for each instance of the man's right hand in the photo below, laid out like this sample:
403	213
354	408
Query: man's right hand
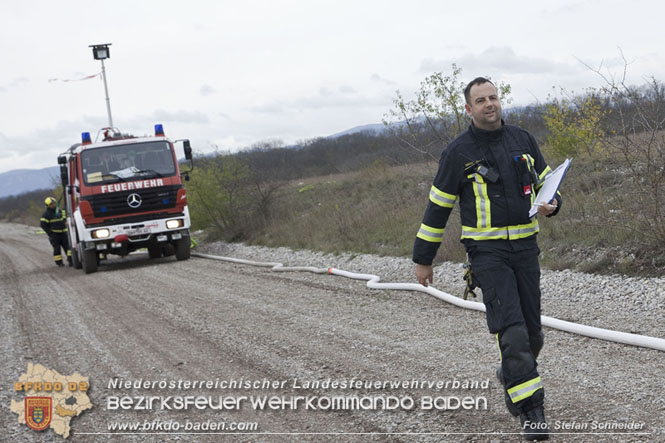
424	273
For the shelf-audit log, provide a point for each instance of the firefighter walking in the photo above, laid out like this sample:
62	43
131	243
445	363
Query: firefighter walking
53	222
494	170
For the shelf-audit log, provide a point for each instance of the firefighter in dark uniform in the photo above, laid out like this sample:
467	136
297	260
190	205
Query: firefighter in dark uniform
494	170
53	222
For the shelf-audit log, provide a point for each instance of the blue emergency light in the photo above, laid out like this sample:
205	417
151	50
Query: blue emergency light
159	130
85	138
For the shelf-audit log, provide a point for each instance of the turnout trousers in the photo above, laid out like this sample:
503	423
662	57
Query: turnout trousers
60	240
510	282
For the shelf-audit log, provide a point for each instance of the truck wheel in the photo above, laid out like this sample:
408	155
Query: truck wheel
75	248
90	260
76	261
182	248
154	251
168	250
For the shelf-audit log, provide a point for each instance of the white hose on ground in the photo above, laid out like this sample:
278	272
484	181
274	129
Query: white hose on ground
373	283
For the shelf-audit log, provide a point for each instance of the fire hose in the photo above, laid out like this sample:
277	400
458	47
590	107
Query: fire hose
373	282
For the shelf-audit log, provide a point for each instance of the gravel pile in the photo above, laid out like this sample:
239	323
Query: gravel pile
627	304
589	382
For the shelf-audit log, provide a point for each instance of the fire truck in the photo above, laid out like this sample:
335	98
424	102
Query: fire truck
125	193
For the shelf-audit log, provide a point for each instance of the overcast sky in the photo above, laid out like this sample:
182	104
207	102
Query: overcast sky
232	73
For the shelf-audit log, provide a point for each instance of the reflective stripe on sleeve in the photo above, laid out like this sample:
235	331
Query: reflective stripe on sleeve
441	198
430	234
524	390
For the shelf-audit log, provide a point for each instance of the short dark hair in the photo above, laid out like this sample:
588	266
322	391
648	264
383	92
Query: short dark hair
475	81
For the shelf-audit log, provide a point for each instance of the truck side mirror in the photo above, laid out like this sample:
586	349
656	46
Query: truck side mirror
64	176
188	149
62	159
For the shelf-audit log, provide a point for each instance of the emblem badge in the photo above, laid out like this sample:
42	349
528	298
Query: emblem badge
134	200
38	412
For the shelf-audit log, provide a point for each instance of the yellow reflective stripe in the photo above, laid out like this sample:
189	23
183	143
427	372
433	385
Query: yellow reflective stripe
483	214
541	177
69	253
506	232
532	167
53	220
499	347
526	389
59	231
57	257
441	198
430	234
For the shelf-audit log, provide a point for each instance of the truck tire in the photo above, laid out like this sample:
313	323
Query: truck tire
90	260
168	250
154	251
182	248
76	261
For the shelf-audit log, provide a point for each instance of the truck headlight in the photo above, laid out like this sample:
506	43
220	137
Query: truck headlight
101	233
174	224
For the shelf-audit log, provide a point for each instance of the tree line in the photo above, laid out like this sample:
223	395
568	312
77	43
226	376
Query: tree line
615	132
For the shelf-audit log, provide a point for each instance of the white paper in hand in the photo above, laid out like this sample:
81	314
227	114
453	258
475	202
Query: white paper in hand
550	186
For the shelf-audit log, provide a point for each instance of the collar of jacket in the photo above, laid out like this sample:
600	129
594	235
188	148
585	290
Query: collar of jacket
487	135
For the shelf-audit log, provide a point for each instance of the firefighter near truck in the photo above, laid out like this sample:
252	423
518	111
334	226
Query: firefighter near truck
123	194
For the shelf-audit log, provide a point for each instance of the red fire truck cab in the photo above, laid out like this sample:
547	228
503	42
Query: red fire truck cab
125	193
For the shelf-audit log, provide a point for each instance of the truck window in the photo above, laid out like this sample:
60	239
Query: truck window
127	162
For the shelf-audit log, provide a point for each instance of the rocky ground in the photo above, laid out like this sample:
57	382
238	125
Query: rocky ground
163	320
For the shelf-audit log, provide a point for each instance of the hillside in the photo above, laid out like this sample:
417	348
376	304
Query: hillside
378	210
19	181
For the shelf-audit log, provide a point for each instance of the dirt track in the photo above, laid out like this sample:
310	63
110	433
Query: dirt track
205	320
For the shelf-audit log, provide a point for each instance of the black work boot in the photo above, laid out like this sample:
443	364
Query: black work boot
509	403
534	426
59	264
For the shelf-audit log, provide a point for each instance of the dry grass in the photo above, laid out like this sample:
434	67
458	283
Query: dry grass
378	210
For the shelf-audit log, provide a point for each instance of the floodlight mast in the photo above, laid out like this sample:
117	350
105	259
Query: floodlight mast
101	52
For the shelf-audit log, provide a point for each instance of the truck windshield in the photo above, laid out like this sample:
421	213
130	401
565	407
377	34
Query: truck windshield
127	162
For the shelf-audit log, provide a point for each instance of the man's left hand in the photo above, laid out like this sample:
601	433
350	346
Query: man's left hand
547	209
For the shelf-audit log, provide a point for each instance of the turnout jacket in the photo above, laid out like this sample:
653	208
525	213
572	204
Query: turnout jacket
495	176
54	221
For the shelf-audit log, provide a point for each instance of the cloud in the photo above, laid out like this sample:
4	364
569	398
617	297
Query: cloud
346	89
342	96
501	60
378	79
42	146
276	107
180	117
18	81
207	90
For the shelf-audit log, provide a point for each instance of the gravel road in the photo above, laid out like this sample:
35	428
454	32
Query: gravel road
205	320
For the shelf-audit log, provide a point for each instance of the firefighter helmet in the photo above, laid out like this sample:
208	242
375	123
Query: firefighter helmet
49	200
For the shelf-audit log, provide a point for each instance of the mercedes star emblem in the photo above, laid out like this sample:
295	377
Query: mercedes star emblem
134	200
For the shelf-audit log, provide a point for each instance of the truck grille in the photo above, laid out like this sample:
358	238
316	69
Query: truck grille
120	203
